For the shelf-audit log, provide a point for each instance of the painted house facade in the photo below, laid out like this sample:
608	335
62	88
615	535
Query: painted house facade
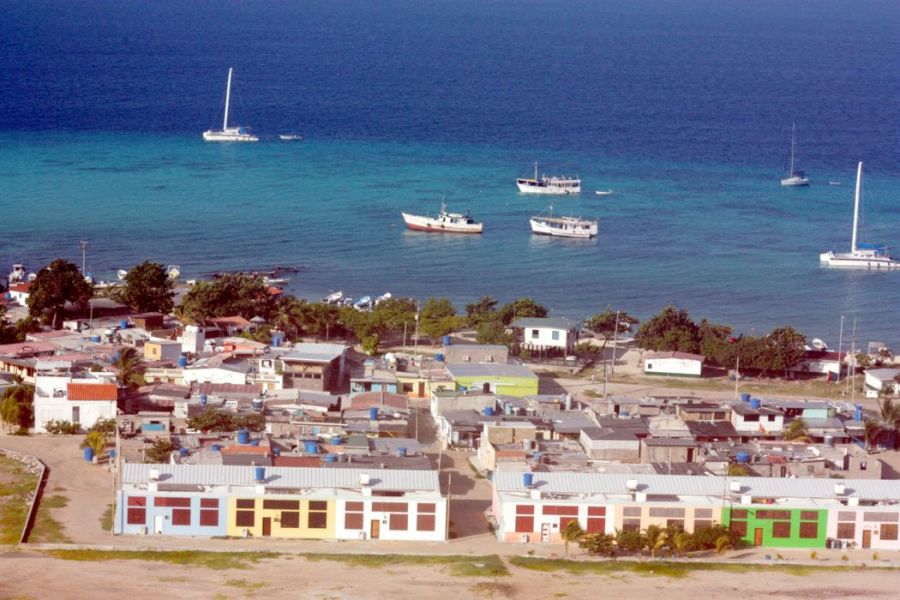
547	333
281	502
510	380
61	395
768	512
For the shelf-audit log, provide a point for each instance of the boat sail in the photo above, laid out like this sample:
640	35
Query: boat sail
795	178
445	222
229	134
549	185
861	256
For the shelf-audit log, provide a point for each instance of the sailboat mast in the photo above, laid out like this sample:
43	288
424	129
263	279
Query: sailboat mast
793	137
227	100
535	170
856	205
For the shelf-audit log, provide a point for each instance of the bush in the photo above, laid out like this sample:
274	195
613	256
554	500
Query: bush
159	452
630	541
706	538
62	427
600	544
587	348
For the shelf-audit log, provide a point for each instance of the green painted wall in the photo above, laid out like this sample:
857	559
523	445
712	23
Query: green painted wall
510	386
794	540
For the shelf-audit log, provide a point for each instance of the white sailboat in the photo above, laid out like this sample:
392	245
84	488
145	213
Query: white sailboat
794	178
229	134
861	256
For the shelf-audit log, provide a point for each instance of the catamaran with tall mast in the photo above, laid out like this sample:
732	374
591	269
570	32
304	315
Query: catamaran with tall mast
861	256
229	134
795	178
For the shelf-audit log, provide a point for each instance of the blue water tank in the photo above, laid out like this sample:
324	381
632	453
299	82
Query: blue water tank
489	411
112	455
260	474
203	399
401	452
331	458
439	357
183	452
254	442
95	339
745	397
277	338
310	447
215	447
858	413
743	457
447	340
89	454
243	437
336	440
182	362
527	479
755	403
123	324
373	413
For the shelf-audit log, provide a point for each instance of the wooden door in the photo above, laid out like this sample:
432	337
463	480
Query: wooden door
267	526
757	537
374	529
421	393
867	538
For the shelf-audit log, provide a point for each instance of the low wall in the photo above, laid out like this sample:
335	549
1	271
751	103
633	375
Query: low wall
34	465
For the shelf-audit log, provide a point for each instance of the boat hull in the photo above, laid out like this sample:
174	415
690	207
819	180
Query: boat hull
420	223
849	261
224	136
541	226
795	182
528	186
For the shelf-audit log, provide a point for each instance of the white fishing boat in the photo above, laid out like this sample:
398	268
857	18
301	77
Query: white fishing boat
290	137
861	256
382	298
173	271
445	222
604	192
556	185
795	178
229	134
364	303
573	227
333	298
17	274
121	274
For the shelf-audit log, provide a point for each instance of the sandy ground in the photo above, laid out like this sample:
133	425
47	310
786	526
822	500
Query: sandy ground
25	575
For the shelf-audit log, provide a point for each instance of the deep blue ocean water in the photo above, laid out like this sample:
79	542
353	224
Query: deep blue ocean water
684	108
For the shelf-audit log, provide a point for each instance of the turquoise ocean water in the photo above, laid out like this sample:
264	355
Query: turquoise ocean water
683	108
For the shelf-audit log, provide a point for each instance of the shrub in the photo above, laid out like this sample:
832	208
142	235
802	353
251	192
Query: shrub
630	541
600	544
62	427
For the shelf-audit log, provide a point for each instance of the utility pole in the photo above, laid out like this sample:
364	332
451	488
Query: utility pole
417	333
84	246
737	376
615	342
605	377
840	348
853	364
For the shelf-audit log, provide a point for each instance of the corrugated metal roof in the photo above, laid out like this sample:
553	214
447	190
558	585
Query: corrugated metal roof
675	485
311	352
545	323
489	370
284	477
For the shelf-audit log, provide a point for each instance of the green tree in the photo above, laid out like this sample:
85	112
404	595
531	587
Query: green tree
159	451
599	544
129	368
289	316
57	284
630	541
493	331
797	431
212	419
390	316
654	534
671	329
357	322
872	430
96	441
323	320
786	349
863	360
606	324
736	470
370	344
255	422
483	310
438	318
572	532
521	308
17	406
148	288
232	294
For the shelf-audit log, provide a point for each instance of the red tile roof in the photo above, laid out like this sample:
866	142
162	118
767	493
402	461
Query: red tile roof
20	287
93	391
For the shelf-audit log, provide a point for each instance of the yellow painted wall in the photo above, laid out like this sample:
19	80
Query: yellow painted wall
278	531
647	520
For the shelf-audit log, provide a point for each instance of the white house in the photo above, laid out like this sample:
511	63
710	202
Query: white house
545	333
215	371
19	293
877	379
754	418
821	362
58	396
678	364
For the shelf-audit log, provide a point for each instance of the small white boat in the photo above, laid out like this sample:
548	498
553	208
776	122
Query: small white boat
861	256
121	274
556	185
17	274
818	344
290	137
604	192
364	303
572	227
794	178
333	298
173	271
382	298
445	222
229	134
834	183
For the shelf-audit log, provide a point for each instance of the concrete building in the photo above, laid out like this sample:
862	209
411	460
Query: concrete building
78	400
878	381
673	364
511	380
162	350
316	367
753	418
280	502
475	353
556	333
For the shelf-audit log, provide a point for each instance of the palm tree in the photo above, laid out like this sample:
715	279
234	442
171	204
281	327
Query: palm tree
737	470
655	538
681	543
290	315
797	431
96	441
889	416
871	432
723	543
572	532
129	368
